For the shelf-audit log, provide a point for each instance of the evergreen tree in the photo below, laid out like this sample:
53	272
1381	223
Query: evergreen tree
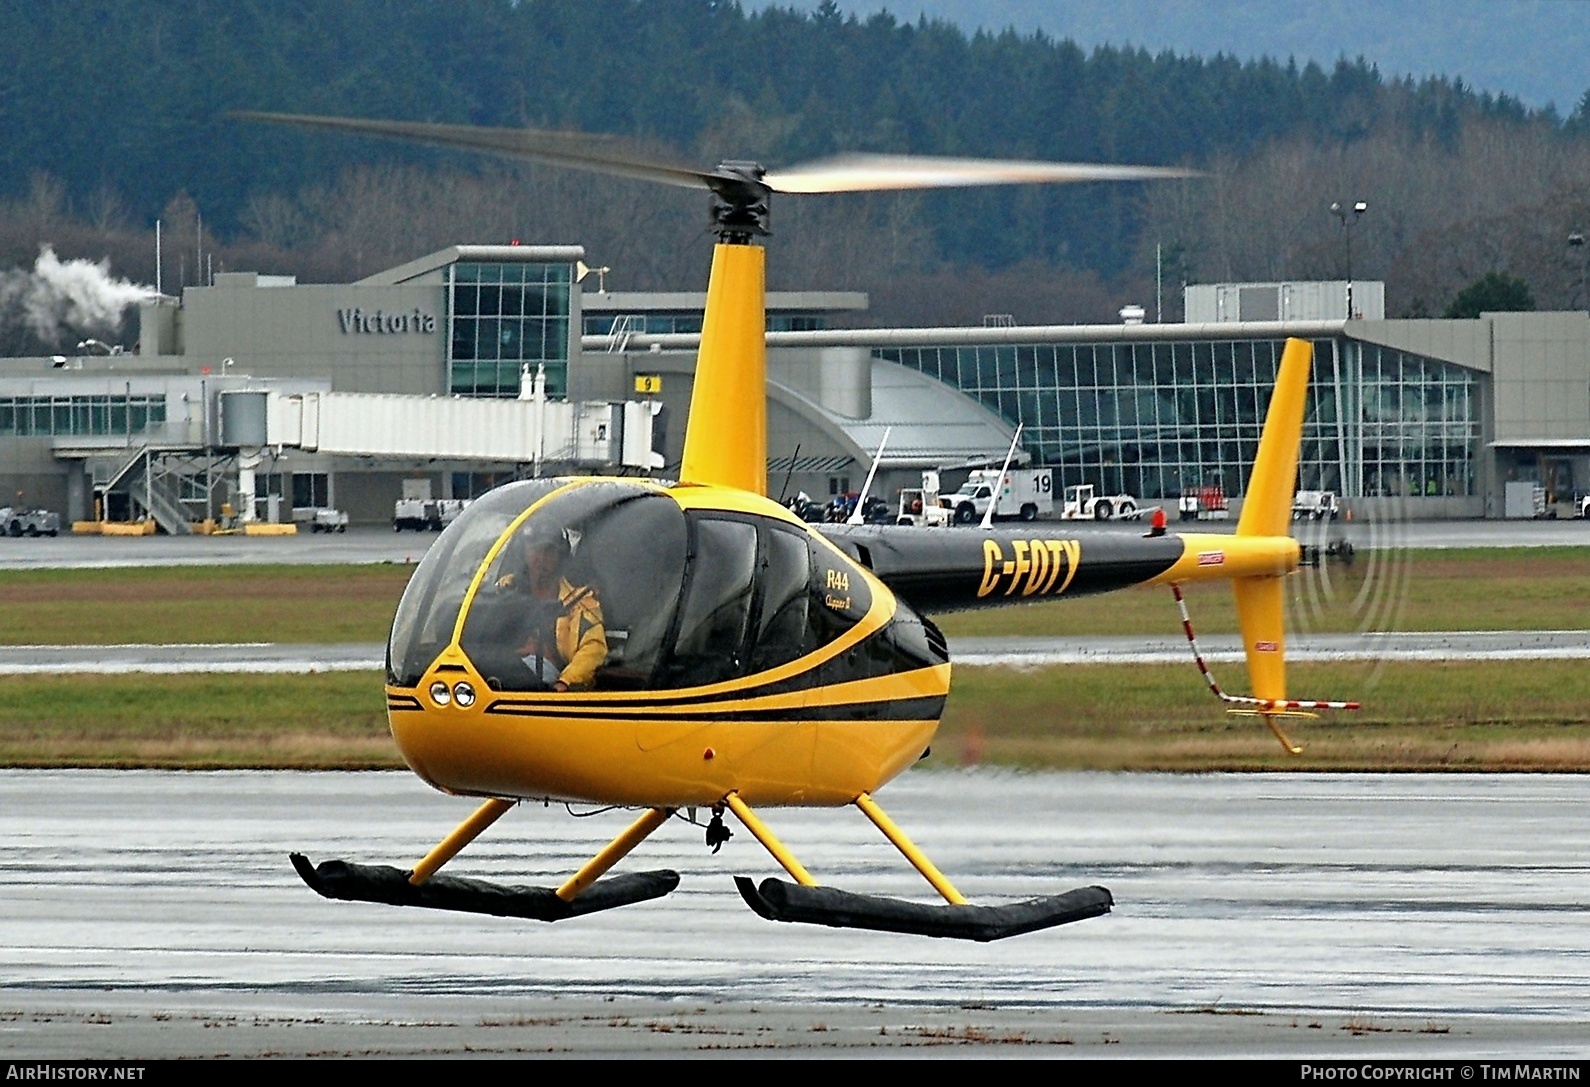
1493	292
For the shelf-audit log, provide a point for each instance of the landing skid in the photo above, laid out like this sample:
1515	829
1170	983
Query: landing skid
958	919
582	893
383	883
777	900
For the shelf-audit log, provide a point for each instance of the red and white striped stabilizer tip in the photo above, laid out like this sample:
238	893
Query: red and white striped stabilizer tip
1258	705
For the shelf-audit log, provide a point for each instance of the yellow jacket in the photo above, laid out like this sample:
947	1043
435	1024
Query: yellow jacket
581	639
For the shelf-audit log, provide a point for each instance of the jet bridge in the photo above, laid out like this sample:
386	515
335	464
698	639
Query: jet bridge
592	435
580	434
181	441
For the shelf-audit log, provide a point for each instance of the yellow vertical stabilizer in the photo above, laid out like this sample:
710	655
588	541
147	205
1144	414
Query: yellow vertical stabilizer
1267	503
1263	634
726	438
1267	511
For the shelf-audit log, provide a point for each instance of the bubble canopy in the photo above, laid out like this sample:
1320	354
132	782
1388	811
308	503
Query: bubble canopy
609	585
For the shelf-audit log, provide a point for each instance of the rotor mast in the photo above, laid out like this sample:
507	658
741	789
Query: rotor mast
726	437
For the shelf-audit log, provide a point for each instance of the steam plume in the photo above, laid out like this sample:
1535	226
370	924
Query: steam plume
78	297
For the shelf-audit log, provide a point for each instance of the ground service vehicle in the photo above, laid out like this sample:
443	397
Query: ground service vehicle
920	505
1525	500
1315	506
448	509
1081	504
804	508
1026	493
426	514
419	514
746	659
328	520
15	521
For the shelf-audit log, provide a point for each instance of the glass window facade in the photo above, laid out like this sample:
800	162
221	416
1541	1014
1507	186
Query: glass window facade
502	318
1417	422
1151	419
49	416
653	324
657	324
795	322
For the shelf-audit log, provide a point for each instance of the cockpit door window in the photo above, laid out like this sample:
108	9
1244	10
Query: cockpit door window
782	631
714	619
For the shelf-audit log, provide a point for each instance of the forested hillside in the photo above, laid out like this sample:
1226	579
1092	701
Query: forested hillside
114	115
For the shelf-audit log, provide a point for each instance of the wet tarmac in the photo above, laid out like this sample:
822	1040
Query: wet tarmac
154	914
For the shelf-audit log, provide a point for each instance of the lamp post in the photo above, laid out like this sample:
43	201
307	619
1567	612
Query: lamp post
1347	217
1576	244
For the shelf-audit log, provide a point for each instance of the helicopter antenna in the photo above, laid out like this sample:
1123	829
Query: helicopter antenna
866	488
993	499
784	490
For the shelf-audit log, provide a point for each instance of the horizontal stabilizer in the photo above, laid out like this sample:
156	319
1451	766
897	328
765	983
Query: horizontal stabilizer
777	900
383	883
1268	708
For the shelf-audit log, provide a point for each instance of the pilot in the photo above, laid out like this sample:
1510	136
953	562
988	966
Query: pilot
566	642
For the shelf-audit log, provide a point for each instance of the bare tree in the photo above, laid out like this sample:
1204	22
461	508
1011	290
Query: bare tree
1497	197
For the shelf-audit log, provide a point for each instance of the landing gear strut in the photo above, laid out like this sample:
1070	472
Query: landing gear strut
582	893
805	901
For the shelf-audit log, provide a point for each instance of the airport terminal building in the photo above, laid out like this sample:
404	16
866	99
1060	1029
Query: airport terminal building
1437	415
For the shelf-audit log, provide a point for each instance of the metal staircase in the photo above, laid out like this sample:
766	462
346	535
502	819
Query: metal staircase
171	485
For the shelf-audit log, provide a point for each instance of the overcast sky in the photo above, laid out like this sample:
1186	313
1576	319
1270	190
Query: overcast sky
1535	50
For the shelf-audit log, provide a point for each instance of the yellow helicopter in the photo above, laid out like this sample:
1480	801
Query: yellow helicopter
679	645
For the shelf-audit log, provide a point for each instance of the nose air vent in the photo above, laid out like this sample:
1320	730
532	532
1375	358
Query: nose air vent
935	639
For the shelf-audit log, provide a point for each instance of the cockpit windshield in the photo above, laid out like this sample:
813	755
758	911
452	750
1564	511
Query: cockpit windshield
429	609
582	593
610	586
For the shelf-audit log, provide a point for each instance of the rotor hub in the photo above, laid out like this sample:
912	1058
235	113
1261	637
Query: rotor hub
740	202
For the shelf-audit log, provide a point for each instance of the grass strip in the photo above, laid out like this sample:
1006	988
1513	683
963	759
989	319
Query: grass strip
1480	716
1463	716
1479	589
163	605
1544	588
334	720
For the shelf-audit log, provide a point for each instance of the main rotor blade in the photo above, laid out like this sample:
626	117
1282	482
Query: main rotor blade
869	173
581	151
